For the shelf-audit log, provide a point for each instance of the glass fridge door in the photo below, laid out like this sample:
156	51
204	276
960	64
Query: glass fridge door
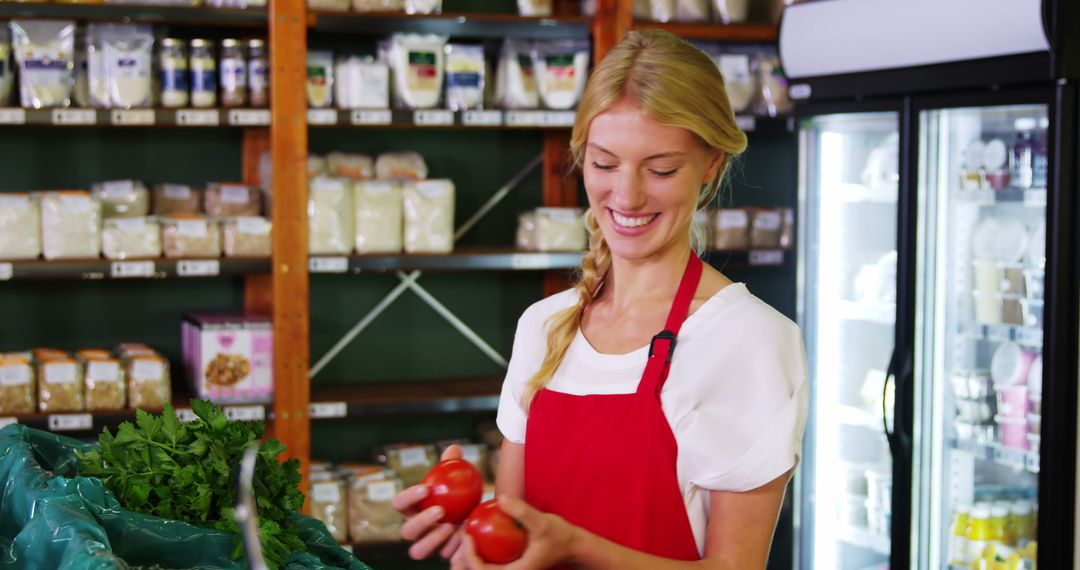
849	184
979	308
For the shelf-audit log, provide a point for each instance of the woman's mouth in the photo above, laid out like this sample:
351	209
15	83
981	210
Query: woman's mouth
632	224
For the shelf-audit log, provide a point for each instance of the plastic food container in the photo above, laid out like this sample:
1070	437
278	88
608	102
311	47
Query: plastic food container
1013	432
1033	312
1012	401
1034	283
980	385
1010	365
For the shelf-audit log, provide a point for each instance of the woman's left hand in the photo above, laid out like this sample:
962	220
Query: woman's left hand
551	539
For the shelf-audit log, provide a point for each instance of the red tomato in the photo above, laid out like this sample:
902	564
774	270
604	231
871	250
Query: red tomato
498	538
456	486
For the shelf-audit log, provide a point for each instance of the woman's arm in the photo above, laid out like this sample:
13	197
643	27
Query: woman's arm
510	473
739	535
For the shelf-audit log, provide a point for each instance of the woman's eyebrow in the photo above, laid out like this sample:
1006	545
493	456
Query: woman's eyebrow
669	154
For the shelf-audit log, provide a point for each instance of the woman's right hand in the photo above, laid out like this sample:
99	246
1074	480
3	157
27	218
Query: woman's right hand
423	527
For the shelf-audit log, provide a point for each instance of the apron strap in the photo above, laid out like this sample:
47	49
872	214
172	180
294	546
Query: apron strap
662	347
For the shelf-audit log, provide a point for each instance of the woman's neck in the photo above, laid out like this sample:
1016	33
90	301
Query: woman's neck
630	282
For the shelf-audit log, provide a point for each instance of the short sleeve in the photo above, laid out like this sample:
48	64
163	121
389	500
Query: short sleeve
740	439
525	360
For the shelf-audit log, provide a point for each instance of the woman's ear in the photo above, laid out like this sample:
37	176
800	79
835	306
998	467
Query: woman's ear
716	160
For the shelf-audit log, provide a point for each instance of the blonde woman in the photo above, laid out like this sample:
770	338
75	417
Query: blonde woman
653	414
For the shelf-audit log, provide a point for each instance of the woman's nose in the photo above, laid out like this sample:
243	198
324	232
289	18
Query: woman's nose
628	192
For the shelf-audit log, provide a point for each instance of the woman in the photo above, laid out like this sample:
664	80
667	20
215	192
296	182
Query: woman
626	448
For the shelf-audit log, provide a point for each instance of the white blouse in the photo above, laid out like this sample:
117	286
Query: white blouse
736	395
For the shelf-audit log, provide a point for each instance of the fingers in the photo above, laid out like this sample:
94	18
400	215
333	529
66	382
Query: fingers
405	501
519	510
451	547
431	541
452	452
472	559
419	525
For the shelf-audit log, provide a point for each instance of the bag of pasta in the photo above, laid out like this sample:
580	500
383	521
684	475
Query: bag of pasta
148	384
60	388
104	378
372	517
411	462
328	503
18	386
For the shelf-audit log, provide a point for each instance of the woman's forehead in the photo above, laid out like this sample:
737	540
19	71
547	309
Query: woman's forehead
625	128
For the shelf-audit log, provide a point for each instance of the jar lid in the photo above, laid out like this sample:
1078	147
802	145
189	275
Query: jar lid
198	42
230	42
174	42
256	43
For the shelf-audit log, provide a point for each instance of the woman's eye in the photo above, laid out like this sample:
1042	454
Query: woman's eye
664	173
604	167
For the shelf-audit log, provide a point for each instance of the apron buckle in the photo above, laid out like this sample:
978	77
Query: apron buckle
663	335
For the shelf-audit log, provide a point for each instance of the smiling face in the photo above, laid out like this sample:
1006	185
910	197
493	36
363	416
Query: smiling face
643	180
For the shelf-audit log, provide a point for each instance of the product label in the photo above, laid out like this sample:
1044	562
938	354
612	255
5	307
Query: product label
327	410
423	73
560	72
245	413
14	375
118	190
322	117
380	117
530	261
732	219
524	118
482	118
197	118
770	221
198	268
133	117
103	371
325	492
413	456
735	68
234	194
132	269
373	82
71	422
174	74
74	117
381	491
249	117
766	257
12	116
147	370
252	225
128	66
177	191
258	75
428	118
233	75
46	76
191	228
7	271
328	264
5	422
60	373
129	225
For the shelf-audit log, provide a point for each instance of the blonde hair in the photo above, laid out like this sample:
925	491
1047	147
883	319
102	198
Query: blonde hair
676	84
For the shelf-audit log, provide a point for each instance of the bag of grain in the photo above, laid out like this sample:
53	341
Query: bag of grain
429	216
70	225
20	227
330	216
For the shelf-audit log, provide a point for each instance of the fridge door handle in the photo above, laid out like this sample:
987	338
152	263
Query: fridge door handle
890	374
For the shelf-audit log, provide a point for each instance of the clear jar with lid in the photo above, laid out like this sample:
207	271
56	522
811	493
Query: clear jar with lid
203	73
173	66
233	74
258	73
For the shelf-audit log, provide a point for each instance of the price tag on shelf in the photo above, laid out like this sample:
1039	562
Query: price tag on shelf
12	116
198	268
482	118
197	117
322	116
530	261
433	118
328	264
249	117
558	118
133	117
121	269
372	117
7	271
5	422
245	413
328	410
524	118
186	415
69	117
70	422
767	257
746	122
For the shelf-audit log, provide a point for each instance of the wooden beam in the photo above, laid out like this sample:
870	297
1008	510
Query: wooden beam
288	145
258	289
561	190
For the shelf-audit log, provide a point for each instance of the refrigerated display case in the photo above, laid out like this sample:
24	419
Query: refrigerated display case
848	203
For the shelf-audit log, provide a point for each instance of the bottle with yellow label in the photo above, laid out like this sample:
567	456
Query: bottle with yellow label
1021	526
978	531
999	520
958	540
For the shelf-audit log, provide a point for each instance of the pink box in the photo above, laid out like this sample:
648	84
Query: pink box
1013	432
229	357
1013	402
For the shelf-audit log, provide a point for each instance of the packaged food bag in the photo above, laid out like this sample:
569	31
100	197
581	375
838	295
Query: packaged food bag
429	216
379	216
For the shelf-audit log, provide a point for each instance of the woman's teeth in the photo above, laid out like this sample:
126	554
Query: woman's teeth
632	222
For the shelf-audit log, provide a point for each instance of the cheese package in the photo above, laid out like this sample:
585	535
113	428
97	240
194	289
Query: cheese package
379	216
190	235
320	78
45	54
173	198
316	165
731	229
400	166
148	382
229	358
560	229
766	228
378	5
70	225
18	385
429	216
20	227
423	6
372	517
131	238
562	68
534	8
104	378
330	216
232	200
353	166
361	83
60	385
418	65
515	79
329	503
525	239
122	198
465	76
246	236
328	5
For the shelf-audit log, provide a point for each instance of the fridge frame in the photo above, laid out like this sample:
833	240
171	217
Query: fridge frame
1058	510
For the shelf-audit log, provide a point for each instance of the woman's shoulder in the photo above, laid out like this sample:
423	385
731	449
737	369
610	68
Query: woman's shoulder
539	312
735	309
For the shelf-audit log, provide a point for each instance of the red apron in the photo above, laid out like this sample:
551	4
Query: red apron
606	462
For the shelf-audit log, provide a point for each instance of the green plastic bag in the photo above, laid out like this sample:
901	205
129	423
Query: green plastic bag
50	517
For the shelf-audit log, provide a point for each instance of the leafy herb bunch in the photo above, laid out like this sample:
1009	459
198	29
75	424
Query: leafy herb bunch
185	471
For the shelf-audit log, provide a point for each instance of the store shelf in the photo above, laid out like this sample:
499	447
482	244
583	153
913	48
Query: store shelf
474	259
1016	459
127	118
338	401
453	25
94	422
95	269
441	118
746	32
861	194
863	538
782	124
1027	336
140	13
858	417
1034	198
884	314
